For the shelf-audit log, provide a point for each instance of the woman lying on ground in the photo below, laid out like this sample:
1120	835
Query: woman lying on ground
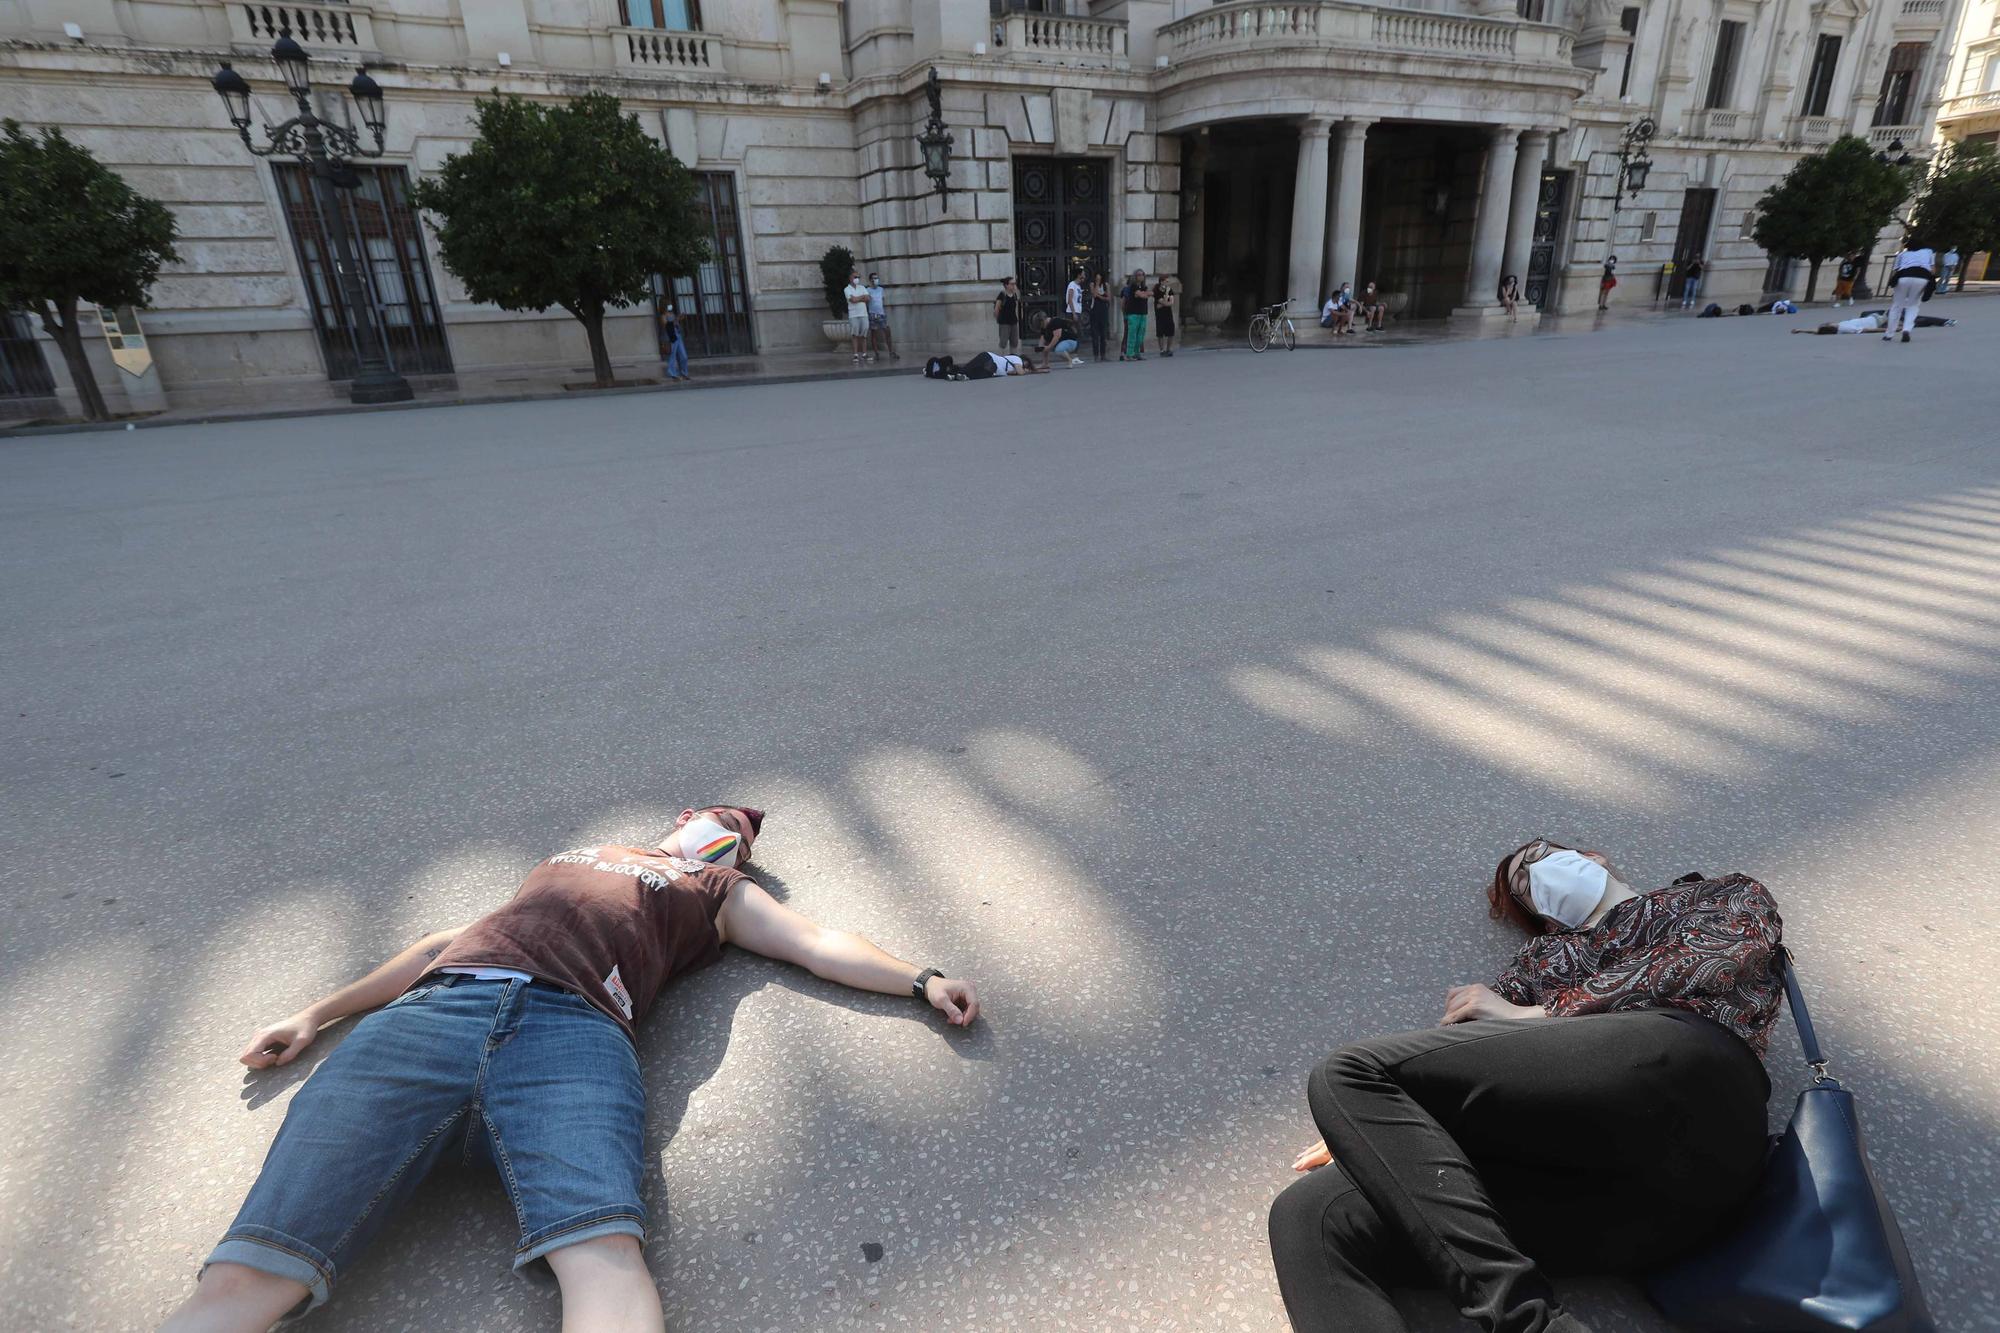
1599	1109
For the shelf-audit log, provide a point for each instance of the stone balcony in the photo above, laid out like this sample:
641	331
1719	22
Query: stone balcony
332	28
1971	113
1920	16
1255	27
1814	130
1051	39
1721	123
1915	139
658	51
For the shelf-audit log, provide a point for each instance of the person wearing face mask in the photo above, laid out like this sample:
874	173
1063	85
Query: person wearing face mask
1598	1109
510	1042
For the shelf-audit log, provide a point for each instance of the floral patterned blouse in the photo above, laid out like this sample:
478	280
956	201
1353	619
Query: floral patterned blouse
1705	945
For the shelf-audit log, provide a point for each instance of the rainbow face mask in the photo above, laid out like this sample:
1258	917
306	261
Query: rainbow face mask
702	839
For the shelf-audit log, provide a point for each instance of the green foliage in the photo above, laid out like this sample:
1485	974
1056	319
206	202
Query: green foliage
1960	204
71	229
1833	202
835	267
572	206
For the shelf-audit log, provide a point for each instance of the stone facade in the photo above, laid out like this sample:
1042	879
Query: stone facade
1256	149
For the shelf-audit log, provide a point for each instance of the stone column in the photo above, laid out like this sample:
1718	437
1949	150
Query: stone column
1527	195
1489	232
1308	217
1343	236
1194	221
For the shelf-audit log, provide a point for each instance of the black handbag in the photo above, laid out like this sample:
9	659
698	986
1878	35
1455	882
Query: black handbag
1816	1247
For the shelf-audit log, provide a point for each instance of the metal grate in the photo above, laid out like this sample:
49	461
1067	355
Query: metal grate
388	240
713	302
23	371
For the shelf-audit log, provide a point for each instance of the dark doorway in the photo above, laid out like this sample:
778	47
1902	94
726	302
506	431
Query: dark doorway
1062	221
1691	241
383	229
1420	198
23	371
713	302
1549	206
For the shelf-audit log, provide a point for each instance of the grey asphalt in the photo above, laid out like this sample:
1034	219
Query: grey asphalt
1183	705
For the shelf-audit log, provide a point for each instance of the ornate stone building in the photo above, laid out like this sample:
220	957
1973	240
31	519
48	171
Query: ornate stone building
1257	149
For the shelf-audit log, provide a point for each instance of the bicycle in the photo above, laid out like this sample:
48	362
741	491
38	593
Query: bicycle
1269	321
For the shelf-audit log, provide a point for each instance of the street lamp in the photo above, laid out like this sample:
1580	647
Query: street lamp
1901	158
1633	164
936	140
327	150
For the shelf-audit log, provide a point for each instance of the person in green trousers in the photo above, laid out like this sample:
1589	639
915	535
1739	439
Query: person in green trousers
1134	295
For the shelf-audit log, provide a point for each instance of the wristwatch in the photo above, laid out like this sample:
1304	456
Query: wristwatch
923	980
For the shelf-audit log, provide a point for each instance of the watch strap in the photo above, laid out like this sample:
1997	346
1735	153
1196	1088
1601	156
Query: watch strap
923	980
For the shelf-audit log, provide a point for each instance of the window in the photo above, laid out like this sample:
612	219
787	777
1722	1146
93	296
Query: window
1649	226
680	15
1531	10
1722	72
1749	228
1628	19
1892	105
1992	79
1819	83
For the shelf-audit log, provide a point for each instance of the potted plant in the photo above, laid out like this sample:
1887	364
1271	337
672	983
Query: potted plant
835	267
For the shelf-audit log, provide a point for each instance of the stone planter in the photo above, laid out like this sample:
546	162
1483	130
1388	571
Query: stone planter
839	332
1209	311
1397	302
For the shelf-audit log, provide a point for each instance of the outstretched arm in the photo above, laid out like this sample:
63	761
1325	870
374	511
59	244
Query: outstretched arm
280	1043
752	919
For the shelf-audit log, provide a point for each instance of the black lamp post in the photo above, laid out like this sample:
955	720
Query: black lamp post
1894	156
327	151
1633	163
936	140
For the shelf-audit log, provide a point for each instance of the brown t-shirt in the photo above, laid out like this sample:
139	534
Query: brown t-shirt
613	924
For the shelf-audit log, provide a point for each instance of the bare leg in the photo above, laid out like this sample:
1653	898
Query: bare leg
606	1288
230	1298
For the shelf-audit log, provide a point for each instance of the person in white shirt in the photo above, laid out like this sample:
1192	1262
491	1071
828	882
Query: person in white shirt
1073	298
1916	270
1950	266
857	314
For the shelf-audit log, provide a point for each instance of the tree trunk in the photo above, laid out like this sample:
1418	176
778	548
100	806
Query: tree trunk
60	322
1812	280
593	328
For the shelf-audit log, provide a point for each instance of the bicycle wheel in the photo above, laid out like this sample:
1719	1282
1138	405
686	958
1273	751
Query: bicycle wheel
1260	333
1291	337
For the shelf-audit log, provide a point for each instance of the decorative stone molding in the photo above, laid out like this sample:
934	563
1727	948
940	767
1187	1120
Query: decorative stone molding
1814	129
1247	25
1723	124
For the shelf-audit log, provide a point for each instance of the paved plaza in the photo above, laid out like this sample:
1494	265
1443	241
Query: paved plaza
1184	705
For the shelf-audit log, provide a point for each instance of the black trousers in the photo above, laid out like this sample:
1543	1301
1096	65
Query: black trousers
1480	1157
1100	328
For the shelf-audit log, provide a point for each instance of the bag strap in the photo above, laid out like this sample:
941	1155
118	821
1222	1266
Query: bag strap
1815	1058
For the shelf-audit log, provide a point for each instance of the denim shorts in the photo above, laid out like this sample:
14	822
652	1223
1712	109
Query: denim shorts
523	1076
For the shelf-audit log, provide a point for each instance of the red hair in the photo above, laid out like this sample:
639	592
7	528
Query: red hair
1502	905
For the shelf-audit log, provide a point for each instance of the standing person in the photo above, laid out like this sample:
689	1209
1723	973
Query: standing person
677	352
1007	315
1133	297
878	320
1948	266
857	314
1166	303
1058	339
1691	283
510	1042
1915	276
1100	315
1598	1109
1607	282
1843	283
1510	296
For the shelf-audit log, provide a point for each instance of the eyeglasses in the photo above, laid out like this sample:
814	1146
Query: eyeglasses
1534	852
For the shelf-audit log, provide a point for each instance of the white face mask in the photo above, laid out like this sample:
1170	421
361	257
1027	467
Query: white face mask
702	839
1566	887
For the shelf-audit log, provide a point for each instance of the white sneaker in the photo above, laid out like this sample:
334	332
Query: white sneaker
1076	360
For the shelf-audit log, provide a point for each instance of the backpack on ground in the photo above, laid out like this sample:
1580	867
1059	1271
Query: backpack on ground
1710	311
1746	309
